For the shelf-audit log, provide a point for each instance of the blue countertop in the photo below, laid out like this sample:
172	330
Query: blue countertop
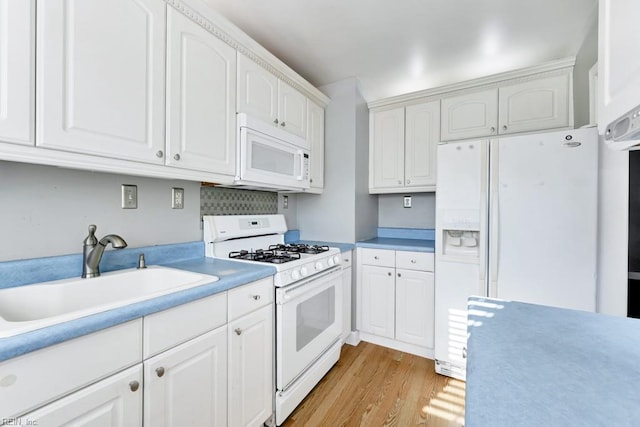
231	274
532	365
398	244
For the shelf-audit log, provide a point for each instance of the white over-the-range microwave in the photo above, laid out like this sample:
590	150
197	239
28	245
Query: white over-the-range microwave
269	157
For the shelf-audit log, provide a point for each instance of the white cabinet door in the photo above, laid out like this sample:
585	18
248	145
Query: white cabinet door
346	302
414	307
378	300
292	110
536	104
187	385
618	60
386	166
470	115
17	71
257	90
251	368
315	136
100	77
421	140
201	86
113	402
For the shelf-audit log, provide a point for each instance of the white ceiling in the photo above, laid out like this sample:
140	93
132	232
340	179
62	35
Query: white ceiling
396	47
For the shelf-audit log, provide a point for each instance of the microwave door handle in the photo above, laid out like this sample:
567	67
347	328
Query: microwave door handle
301	156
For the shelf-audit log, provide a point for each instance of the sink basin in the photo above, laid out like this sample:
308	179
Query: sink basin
30	307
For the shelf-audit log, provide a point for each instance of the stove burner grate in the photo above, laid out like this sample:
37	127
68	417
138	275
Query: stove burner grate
272	256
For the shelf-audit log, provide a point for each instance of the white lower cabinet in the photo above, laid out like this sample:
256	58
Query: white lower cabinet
251	368
205	363
113	402
187	385
396	299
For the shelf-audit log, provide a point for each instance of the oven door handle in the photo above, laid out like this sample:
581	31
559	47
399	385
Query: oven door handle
291	292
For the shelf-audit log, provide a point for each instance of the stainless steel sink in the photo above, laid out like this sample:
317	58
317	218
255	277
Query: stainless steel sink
30	307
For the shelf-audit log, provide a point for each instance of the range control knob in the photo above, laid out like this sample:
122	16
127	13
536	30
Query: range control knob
295	274
331	262
304	272
336	259
318	266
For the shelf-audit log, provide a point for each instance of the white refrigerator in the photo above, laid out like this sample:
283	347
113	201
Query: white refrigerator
516	219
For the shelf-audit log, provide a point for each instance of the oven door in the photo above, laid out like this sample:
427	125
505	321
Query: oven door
267	160
308	322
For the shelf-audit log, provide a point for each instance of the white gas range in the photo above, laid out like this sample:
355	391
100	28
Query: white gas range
308	296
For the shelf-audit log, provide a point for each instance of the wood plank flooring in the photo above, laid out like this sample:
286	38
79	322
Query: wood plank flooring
376	386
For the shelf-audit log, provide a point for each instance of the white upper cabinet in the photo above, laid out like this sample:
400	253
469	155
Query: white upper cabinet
100	78
17	70
470	115
402	148
257	90
201	84
315	136
422	133
536	104
262	95
292	110
386	166
618	60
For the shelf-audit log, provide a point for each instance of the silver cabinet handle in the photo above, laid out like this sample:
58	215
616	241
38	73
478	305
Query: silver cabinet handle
464	352
134	385
177	157
159	154
238	331
389	274
504	127
160	371
493	129
255	297
399	275
282	124
275	121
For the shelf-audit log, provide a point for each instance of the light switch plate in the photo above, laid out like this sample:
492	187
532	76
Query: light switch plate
285	202
129	196
407	201
177	198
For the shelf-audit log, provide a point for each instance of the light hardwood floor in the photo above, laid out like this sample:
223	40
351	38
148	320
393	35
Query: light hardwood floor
375	386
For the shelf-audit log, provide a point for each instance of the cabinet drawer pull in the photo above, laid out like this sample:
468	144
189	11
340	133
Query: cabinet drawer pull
399	275
399	182
389	274
504	127
238	331
159	154
160	371
134	385
177	157
255	297
408	181
493	129
375	257
275	121
346	260
413	261
464	352
282	124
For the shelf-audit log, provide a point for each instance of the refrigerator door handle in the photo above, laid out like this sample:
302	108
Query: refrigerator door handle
494	216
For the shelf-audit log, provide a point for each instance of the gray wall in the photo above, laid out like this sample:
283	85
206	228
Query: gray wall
46	210
422	214
334	214
586	57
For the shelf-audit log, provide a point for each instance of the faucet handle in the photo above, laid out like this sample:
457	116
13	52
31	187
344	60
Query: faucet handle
141	262
91	239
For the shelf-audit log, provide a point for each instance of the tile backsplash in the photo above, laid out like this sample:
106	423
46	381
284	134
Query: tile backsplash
233	201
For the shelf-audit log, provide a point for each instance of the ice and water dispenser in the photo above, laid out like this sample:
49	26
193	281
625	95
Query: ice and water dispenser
461	235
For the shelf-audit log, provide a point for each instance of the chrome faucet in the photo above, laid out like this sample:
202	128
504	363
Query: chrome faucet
93	249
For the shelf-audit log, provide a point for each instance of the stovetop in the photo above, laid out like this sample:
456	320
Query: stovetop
279	253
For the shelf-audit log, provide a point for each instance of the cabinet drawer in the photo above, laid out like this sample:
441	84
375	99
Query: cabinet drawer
250	297
381	257
347	259
36	378
422	261
171	327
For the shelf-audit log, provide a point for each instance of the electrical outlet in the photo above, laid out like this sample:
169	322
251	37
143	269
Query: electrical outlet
177	198
285	202
129	196
407	201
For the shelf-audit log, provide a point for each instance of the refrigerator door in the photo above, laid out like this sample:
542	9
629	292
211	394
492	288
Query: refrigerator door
543	224
461	243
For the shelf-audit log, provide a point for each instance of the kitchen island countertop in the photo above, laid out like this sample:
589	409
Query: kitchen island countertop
534	365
